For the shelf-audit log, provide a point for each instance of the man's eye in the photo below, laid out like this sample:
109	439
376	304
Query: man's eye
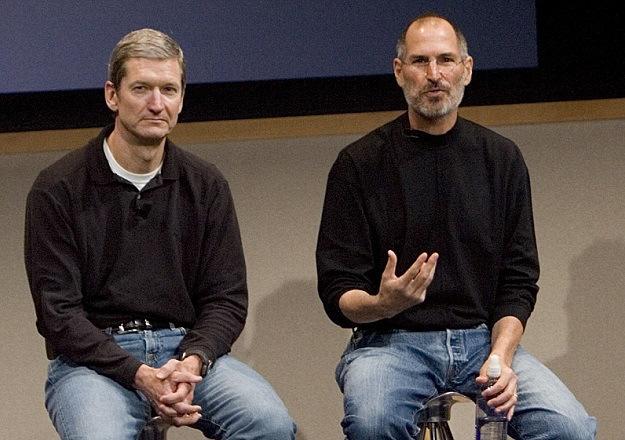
420	60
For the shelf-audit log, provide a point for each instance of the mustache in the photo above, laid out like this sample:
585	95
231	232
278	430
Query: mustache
437	86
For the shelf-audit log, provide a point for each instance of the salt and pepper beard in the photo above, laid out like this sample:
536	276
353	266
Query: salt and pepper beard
427	109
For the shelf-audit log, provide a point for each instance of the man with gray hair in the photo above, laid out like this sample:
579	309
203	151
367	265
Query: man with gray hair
135	264
427	250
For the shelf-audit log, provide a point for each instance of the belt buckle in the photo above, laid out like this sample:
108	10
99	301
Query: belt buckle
134	326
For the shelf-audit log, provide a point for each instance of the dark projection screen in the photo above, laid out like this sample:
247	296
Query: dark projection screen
65	45
268	58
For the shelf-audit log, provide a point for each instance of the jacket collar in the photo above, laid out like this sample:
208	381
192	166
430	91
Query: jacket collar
100	171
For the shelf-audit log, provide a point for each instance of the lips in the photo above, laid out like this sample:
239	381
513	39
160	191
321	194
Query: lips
436	91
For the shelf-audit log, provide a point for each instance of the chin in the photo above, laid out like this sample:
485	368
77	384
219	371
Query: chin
430	112
151	137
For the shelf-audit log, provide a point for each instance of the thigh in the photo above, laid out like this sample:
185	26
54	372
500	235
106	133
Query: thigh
238	403
546	408
385	379
83	404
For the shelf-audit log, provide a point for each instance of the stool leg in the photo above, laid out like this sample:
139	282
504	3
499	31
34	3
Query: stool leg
155	429
445	431
435	431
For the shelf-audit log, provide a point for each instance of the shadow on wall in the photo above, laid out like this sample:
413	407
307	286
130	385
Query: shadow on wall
296	348
595	305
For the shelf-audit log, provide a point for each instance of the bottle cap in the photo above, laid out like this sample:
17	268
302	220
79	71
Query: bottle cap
494	366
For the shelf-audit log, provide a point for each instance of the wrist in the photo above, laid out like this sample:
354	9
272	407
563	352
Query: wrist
140	376
383	309
197	360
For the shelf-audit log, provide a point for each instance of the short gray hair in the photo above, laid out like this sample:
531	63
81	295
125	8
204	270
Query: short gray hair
144	43
401	42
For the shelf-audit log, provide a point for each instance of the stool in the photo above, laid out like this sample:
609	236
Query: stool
155	429
434	416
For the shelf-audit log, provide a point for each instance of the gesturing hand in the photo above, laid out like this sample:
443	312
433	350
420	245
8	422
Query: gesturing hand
397	293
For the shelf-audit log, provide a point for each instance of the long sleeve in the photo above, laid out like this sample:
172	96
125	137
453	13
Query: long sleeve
517	286
221	297
344	251
52	258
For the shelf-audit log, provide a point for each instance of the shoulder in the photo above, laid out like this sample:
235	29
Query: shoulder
189	163
371	150
483	137
70	169
196	173
498	153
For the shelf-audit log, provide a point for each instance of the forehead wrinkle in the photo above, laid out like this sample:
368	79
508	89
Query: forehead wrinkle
152	72
431	36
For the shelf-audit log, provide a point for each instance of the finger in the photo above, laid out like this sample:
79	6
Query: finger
431	267
424	278
183	408
186	420
481	379
391	265
177	396
511	413
184	377
428	266
167	369
165	411
413	271
508	405
505	398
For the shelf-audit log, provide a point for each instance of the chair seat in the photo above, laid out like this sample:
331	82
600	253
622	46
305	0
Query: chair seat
432	419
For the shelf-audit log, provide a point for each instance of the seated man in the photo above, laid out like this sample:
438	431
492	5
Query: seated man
427	249
137	273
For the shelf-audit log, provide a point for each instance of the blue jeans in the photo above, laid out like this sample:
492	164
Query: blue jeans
387	376
237	403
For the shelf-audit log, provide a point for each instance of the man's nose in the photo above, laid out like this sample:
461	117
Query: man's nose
432	71
155	101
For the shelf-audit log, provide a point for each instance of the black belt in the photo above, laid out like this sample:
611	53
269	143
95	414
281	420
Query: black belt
136	325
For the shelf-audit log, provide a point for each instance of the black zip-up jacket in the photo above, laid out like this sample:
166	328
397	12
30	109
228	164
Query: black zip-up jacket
98	252
464	194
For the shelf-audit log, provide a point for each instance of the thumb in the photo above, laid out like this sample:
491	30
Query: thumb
166	370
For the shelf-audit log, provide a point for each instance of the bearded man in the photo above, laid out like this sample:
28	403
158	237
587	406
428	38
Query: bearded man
427	250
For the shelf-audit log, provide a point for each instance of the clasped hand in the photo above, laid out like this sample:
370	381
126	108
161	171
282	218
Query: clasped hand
170	390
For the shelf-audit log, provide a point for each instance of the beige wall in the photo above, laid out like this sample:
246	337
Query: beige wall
578	176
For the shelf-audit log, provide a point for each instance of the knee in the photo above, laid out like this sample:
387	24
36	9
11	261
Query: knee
277	425
266	421
376	422
579	428
555	427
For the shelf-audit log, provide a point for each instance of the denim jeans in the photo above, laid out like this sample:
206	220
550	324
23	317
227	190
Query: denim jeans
387	376
237	403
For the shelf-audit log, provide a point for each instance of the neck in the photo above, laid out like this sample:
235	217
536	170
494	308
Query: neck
434	126
134	157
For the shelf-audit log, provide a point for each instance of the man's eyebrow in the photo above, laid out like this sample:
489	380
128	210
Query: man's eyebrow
442	54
